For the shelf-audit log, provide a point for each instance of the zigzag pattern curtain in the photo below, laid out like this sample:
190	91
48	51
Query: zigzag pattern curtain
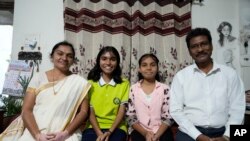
134	27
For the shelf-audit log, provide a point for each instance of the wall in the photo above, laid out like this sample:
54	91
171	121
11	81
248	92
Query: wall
42	19
245	40
210	15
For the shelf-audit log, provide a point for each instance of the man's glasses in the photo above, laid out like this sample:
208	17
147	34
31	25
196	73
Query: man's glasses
200	45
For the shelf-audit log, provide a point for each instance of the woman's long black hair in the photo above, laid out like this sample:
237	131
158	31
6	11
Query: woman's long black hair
95	72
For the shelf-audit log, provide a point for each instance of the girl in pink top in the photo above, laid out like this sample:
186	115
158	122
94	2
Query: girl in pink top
148	105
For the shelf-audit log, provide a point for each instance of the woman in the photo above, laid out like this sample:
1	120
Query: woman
148	107
224	30
55	105
108	96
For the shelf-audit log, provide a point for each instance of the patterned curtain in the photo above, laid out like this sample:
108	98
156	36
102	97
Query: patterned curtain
134	27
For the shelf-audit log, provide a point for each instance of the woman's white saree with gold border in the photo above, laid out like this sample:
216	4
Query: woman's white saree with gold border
55	107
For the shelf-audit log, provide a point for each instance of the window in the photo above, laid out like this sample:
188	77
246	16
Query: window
6	32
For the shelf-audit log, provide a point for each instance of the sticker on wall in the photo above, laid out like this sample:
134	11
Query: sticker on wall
31	41
30	51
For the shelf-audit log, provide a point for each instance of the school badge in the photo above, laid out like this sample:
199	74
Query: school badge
116	101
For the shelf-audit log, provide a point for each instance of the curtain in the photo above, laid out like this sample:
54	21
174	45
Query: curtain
134	27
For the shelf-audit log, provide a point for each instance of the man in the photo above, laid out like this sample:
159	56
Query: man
206	97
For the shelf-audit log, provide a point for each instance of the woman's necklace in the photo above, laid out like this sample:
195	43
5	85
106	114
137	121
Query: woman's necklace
55	93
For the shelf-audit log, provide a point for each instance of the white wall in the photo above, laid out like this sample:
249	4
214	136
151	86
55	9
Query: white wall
210	15
245	26
39	18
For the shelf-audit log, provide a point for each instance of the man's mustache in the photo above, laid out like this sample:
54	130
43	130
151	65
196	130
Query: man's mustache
201	53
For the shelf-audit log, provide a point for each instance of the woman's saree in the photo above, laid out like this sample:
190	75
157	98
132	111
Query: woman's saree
56	106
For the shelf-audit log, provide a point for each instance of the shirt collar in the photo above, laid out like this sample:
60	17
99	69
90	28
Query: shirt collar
215	68
157	84
102	82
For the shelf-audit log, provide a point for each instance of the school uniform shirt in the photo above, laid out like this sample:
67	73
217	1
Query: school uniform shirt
105	99
215	99
150	111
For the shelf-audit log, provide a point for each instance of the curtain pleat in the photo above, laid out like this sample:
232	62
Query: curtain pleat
134	27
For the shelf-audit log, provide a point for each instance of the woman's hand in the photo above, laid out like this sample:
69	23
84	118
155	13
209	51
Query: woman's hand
100	137
104	136
149	136
44	137
60	136
156	137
